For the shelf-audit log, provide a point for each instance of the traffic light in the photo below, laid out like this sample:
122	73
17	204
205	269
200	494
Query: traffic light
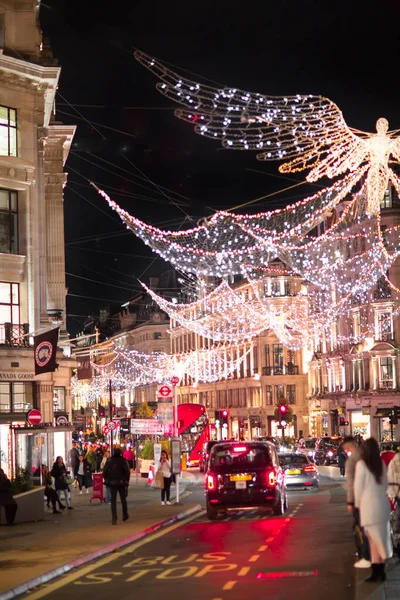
102	411
282	410
225	415
342	421
218	415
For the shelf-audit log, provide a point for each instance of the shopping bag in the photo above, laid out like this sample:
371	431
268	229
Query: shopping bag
158	481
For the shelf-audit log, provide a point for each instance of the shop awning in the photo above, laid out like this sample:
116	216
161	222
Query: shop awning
383	412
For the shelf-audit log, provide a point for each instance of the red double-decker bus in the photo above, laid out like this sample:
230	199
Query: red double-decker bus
194	430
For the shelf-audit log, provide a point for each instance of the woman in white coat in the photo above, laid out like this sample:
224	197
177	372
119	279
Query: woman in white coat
370	497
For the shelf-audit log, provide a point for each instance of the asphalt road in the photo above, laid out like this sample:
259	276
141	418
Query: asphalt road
307	553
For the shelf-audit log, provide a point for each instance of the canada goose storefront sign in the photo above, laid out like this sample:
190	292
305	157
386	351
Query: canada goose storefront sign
45	351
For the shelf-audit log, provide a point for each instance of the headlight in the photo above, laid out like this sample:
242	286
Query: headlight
330	453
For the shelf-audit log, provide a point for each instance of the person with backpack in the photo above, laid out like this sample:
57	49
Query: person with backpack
116	474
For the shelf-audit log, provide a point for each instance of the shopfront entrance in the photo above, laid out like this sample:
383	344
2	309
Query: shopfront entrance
360	423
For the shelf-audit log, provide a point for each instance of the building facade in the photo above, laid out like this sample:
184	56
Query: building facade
33	151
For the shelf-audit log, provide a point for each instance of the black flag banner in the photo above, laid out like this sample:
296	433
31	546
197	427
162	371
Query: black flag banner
84	370
45	351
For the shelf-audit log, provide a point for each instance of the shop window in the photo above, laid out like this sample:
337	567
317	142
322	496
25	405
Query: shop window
8	131
8	222
291	394
59	399
386	372
15	397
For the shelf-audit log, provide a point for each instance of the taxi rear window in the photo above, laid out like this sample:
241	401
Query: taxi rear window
241	455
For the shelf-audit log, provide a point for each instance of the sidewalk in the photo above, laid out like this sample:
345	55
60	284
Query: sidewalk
30	550
390	590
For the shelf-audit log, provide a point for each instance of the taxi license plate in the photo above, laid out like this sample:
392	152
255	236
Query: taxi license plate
240	478
240	485
293	471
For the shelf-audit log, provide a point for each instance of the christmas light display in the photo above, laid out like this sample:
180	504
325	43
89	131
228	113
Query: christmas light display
308	131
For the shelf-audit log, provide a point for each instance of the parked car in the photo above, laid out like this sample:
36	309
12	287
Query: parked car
326	450
307	446
205	454
244	475
299	471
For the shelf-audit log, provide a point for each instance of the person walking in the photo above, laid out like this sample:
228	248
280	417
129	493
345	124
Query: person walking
394	477
370	497
99	456
74	455
116	474
50	492
6	498
83	474
60	474
129	456
165	468
351	447
342	458
103	464
90	456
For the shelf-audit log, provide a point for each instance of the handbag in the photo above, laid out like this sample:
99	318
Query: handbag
68	479
158	481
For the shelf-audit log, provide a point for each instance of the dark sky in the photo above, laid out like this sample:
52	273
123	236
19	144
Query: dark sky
346	51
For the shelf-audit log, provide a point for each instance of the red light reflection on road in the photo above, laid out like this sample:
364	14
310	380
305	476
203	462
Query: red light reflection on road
286	574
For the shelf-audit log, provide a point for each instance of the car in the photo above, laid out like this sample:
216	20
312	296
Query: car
307	446
326	450
389	446
244	475
205	454
299	471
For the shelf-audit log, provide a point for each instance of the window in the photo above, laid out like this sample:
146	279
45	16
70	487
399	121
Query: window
8	221
278	357
15	397
279	393
386	201
385	326
59	399
268	395
9	303
8	131
267	356
291	394
157	335
386	372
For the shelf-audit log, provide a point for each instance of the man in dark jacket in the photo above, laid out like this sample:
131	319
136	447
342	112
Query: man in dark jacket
116	475
6	499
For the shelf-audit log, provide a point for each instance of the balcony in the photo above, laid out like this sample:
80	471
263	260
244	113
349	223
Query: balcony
288	369
14	336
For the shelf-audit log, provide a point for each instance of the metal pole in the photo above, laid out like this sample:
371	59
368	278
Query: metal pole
111	415
176	435
137	458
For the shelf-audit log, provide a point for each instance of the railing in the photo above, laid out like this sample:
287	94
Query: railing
14	335
284	370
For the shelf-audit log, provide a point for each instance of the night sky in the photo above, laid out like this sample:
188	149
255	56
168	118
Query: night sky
127	135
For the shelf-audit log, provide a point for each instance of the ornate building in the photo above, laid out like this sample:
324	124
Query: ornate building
33	151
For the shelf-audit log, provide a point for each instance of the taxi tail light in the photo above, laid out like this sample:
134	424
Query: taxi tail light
211	482
310	469
240	449
271	478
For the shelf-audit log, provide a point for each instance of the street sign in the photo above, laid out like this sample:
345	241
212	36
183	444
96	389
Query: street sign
62	420
146	427
175	380
164	391
175	455
112	425
34	417
165	411
105	429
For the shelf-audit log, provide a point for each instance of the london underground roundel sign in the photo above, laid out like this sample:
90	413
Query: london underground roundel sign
34	417
165	391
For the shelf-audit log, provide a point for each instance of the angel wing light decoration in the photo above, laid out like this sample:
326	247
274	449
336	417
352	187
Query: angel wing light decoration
307	132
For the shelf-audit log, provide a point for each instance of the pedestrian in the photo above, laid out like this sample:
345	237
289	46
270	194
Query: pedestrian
99	456
370	497
394	477
351	447
6	498
103	464
83	474
342	458
90	456
74	455
116	475
61	480
129	456
50	492
165	468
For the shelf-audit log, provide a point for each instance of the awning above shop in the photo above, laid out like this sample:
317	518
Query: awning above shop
383	412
